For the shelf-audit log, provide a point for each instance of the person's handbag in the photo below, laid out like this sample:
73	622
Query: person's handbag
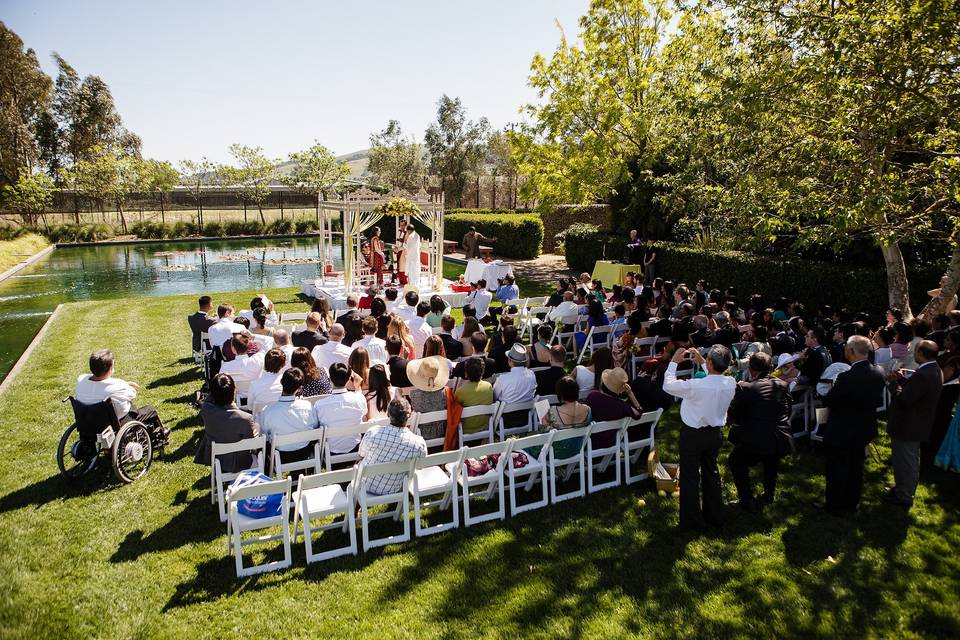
258	506
451	439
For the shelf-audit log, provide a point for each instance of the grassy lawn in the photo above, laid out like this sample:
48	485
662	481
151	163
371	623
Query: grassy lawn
13	252
99	559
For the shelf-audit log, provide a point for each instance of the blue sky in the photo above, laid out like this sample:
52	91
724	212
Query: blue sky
193	77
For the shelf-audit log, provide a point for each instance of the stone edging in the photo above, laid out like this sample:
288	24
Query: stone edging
26	263
22	360
188	239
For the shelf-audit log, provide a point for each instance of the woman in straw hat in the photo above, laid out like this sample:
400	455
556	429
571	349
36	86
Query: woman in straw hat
429	377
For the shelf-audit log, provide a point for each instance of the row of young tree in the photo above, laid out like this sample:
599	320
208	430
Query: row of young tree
790	123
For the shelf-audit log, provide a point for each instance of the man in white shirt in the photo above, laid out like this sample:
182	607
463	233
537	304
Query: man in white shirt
289	414
391	297
334	350
281	340
519	384
261	301
224	328
242	367
703	412
100	385
341	408
565	309
266	388
376	348
408	308
480	298
419	329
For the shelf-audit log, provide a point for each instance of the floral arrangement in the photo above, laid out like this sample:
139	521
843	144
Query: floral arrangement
398	207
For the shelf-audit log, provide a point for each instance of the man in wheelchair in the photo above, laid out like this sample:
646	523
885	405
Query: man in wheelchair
100	385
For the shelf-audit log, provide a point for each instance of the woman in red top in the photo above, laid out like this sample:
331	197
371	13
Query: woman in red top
377	255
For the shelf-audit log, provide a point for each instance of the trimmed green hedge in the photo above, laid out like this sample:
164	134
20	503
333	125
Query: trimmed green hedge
519	235
812	282
90	232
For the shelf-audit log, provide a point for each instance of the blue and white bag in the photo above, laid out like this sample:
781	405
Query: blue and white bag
259	506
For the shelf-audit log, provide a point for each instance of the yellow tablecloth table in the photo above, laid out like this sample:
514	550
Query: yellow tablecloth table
611	273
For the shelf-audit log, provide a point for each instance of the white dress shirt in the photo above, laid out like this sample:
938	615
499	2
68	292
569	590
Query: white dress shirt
517	385
287	415
265	389
705	400
419	331
118	391
585	377
287	351
564	310
222	330
405	311
326	354
376	349
481	301
243	368
341	408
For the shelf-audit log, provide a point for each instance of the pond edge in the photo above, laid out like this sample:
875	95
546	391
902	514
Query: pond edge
65	245
26	263
22	360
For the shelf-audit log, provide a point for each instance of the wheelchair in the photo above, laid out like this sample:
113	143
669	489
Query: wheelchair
96	429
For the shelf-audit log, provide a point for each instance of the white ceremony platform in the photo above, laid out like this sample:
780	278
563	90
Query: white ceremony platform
334	290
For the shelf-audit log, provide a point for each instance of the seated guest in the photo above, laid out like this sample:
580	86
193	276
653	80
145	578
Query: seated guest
397	366
100	385
202	320
949	360
480	298
398	328
438	309
787	369
726	334
899	349
451	345
815	357
243	366
479	342
376	348
702	336
469	311
623	347
547	378
760	414
588	376
475	391
281	340
501	353
507	291
224	423
262	333
539	351
940	327
350	321
367	300
596	316
224	328
267	388
260	302
882	340
619	313
429	377
290	414
470	326
391	443
359	364
921	327
570	414
341	408
309	336
391	299
434	347
565	309
378	392
407	310
315	381
612	401
419	329
519	384
557	296
321	305
378	310
333	350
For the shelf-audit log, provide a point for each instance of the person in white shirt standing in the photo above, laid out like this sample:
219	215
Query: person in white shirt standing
289	414
224	328
411	256
419	329
266	388
376	348
341	408
326	355
519	384
703	412
100	385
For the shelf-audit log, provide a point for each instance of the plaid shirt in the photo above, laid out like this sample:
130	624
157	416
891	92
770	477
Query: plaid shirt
389	444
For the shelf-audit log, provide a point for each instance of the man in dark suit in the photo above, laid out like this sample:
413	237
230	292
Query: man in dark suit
309	336
853	401
201	321
913	408
499	353
726	334
702	337
452	346
547	379
479	342
351	321
760	414
397	366
815	357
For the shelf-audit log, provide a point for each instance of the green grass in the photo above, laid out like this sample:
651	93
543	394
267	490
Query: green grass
99	559
13	252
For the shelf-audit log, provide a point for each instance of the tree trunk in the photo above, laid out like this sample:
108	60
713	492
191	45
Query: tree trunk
493	201
938	305
898	289
123	219
478	191
262	218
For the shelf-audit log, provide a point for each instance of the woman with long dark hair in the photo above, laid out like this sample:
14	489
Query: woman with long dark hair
316	381
378	392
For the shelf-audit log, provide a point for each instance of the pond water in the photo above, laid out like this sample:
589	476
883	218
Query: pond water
158	269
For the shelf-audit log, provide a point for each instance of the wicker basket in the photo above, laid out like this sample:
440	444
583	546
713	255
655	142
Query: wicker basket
667	476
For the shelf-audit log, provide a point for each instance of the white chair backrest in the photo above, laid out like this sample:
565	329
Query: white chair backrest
259	406
536	440
489	410
345	431
502	448
537	301
253	445
418	419
303	438
340	476
567	434
367	471
440	459
608	425
287	318
261	489
648	417
551	399
535	311
313	399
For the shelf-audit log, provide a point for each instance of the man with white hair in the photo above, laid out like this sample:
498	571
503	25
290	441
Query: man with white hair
334	350
281	340
726	334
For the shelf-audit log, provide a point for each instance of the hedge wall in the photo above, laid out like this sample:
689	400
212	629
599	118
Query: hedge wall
812	282
519	235
562	216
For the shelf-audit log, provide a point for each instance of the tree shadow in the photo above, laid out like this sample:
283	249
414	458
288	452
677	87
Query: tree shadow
191	525
181	377
186	450
57	488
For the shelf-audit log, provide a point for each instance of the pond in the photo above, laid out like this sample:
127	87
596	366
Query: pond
105	272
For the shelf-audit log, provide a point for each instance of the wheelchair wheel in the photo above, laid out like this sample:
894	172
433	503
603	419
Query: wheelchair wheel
75	455
132	451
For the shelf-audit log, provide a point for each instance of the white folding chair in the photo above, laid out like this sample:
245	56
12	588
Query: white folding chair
566	332
321	496
219	478
430	478
313	463
514	408
486	485
599	458
287	318
633	448
242	393
237	524
645	348
418	419
331	458
401	498
486	435
567	465
530	321
598	337
259	406
535	469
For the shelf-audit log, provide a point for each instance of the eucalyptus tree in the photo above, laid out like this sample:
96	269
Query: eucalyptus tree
315	171
456	146
396	161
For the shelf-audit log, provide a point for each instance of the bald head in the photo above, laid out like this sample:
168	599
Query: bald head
336	332
926	351
280	337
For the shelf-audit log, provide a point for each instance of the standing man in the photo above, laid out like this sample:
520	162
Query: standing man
703	412
471	243
201	321
853	402
634	248
650	263
913	408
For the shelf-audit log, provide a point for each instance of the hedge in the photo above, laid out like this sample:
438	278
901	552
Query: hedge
812	282
561	217
519	235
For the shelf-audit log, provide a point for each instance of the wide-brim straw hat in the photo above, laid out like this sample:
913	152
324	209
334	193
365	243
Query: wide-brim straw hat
615	379
428	374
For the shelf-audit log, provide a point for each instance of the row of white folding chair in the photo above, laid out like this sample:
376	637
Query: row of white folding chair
530	320
288	318
258	406
596	338
645	348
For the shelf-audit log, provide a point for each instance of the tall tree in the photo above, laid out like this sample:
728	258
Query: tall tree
110	173
456	146
30	196
500	158
315	171
396	161
159	176
197	176
251	174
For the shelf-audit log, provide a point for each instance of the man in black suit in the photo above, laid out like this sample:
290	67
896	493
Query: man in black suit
452	346
351	321
726	334
702	337
479	342
397	366
499	353
760	414
815	357
309	336
547	379
913	408
201	321
853	401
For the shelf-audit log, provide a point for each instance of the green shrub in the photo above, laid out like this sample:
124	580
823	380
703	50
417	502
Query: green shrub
519	235
233	228
306	225
155	230
9	232
213	230
80	233
183	229
280	227
253	228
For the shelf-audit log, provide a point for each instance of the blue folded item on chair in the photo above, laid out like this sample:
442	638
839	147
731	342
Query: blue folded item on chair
259	506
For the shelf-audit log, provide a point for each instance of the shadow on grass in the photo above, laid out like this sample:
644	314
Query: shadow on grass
182	377
194	523
57	487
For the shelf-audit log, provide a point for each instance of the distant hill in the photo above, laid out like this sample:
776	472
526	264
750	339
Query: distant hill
357	161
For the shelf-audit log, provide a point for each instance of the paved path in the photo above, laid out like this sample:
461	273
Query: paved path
545	269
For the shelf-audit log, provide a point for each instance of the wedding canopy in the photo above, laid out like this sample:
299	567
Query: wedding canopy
364	208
